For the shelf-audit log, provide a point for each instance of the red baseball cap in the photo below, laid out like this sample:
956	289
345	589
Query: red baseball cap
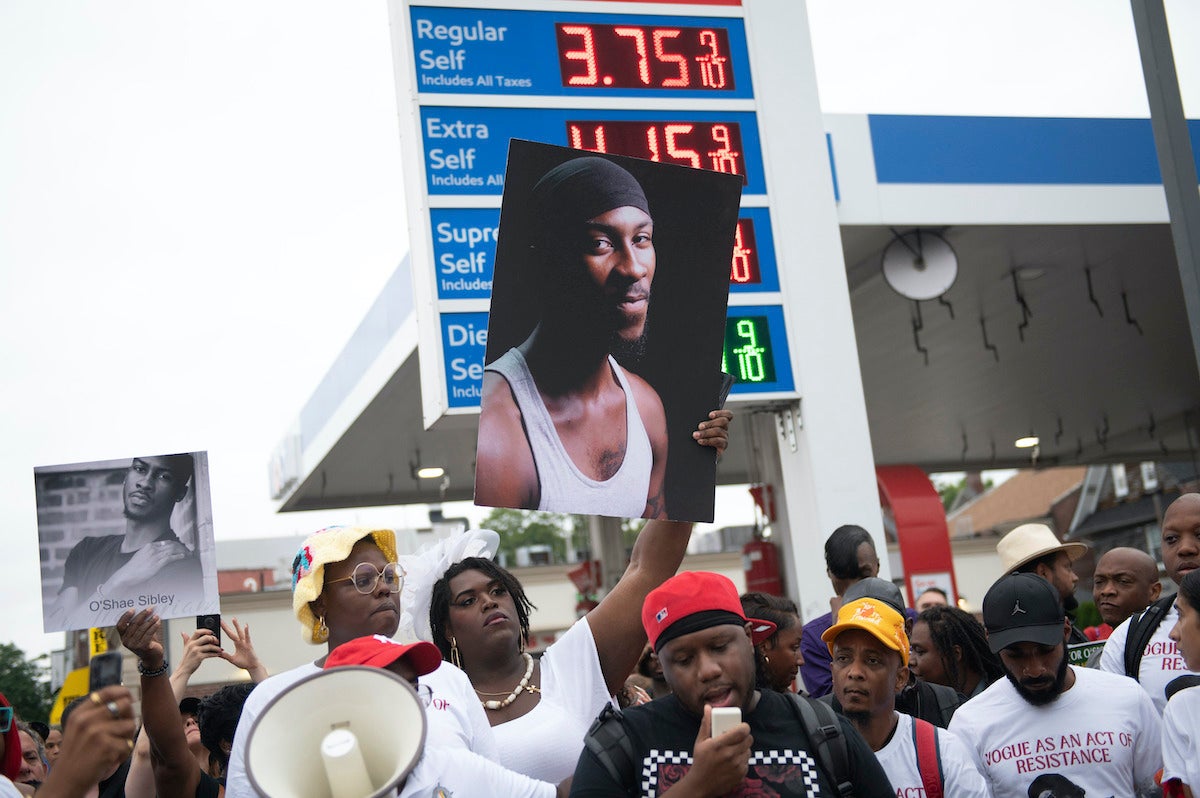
695	600
378	651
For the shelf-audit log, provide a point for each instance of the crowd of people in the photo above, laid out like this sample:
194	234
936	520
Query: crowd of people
634	699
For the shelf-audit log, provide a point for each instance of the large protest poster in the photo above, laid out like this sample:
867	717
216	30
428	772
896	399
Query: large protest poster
605	335
124	534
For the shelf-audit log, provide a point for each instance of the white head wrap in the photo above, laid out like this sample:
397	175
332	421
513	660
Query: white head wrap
426	567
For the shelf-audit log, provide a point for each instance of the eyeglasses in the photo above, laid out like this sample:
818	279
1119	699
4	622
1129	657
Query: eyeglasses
366	577
5	719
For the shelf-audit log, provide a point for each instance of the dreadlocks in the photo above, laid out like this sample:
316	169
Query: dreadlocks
949	627
439	603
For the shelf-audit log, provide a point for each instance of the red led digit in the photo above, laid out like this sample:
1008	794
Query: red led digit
644	57
639	42
652	143
744	269
682	79
724	158
712	63
676	151
587	55
576	135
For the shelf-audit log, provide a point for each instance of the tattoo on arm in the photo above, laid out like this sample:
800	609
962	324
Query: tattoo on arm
656	506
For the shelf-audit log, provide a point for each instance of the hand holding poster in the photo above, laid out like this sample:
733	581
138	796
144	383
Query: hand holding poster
125	534
605	335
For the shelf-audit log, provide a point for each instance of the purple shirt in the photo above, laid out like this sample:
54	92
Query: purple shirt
818	681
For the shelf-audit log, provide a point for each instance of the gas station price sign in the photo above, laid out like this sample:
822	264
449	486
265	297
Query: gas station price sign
466	148
491	51
671	86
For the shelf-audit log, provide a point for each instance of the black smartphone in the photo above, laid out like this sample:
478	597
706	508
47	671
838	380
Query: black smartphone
210	622
104	670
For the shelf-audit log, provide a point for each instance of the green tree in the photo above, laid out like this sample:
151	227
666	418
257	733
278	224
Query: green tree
25	683
519	528
950	489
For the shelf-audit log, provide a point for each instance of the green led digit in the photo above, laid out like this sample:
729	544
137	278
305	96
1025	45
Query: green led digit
749	354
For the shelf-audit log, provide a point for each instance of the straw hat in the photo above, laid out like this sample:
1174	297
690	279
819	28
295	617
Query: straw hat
1029	542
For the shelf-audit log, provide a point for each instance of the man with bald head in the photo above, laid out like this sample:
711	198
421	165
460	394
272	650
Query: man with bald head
1125	582
563	426
1159	660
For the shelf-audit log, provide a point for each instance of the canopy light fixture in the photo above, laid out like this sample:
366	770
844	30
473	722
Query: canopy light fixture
1028	442
430	472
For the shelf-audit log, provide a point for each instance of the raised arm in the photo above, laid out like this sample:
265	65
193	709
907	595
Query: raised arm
176	773
617	623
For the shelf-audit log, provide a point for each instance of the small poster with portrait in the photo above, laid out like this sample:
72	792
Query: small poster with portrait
605	335
125	534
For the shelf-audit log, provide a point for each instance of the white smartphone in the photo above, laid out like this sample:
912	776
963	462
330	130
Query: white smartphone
724	719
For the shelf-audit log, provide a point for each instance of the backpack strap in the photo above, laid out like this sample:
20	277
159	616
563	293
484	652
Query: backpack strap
1141	628
608	740
929	757
824	729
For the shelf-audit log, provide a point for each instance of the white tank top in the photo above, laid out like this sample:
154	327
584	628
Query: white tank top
563	487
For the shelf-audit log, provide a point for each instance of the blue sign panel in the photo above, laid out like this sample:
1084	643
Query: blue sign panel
464	247
466	148
464	340
756	350
753	268
756	353
486	51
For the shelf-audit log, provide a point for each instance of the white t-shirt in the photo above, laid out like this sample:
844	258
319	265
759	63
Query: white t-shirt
1181	738
1161	662
960	777
459	774
545	743
455	719
7	788
1103	735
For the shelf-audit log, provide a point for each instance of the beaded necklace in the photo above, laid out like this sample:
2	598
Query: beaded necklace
522	686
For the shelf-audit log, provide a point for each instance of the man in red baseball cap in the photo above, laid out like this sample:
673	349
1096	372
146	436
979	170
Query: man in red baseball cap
705	643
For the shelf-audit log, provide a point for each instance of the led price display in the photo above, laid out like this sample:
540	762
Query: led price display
716	146
744	270
644	57
748	355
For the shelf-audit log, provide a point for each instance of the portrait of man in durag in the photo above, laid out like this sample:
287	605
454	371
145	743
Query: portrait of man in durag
604	336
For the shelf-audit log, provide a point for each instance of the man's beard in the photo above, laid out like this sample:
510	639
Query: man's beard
628	353
1070	603
1047	695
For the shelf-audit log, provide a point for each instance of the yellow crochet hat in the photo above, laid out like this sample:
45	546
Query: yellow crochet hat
325	547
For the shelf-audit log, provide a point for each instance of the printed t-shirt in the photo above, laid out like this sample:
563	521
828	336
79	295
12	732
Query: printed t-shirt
1181	738
1161	663
1102	735
960	777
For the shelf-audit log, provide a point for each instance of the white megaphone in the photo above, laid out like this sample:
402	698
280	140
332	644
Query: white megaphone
348	732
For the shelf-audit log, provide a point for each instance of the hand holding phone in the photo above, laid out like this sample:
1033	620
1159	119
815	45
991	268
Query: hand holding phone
210	622
104	670
724	719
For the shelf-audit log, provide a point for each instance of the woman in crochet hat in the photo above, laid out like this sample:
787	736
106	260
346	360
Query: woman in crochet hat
345	585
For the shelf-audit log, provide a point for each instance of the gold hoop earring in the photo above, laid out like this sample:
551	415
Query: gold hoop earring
321	631
455	659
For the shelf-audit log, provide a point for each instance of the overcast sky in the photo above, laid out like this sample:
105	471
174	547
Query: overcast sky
198	203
